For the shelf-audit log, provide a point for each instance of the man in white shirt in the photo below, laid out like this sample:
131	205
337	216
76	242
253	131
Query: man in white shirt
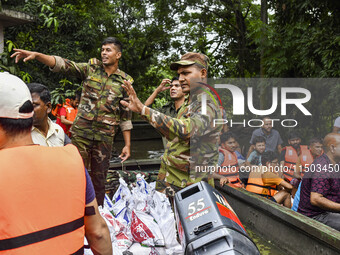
44	131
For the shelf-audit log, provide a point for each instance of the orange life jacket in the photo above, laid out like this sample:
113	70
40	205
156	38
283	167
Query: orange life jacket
230	167
71	112
291	157
55	111
42	200
255	185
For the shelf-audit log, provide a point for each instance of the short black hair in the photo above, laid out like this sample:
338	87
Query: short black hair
174	79
14	127
114	41
315	140
293	135
41	90
259	139
75	96
226	136
268	156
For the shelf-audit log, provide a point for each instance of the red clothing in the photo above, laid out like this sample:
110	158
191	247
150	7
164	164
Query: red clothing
62	112
70	114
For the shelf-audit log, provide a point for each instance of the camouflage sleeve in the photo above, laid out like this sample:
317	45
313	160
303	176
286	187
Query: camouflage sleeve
195	125
125	125
70	68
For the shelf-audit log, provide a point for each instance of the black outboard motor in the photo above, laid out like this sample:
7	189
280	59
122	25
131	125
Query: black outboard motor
208	225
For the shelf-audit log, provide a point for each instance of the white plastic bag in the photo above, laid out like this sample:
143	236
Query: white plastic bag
123	241
138	249
145	230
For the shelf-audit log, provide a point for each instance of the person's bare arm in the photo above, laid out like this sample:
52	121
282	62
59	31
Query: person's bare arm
286	185
279	148
65	121
158	90
126	150
97	232
320	201
30	55
223	179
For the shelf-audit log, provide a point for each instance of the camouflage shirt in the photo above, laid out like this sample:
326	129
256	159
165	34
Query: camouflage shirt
192	147
169	109
99	110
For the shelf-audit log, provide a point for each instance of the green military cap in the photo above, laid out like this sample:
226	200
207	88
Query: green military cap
191	58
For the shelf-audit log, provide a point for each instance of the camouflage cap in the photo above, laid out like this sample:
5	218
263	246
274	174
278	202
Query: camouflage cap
191	58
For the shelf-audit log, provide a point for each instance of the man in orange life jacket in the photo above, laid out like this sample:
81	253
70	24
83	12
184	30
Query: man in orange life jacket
46	196
228	162
295	154
264	180
68	112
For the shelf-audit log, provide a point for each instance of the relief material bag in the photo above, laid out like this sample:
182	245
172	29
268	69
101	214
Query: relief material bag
144	229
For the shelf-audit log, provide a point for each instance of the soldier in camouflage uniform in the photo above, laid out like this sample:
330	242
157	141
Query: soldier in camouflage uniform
192	149
99	111
177	99
176	94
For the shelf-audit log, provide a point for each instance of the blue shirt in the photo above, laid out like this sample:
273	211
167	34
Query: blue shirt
254	158
272	140
90	195
296	199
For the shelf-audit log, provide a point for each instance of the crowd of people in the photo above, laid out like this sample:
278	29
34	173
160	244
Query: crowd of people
106	103
307	175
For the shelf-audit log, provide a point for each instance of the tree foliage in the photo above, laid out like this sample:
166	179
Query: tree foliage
301	39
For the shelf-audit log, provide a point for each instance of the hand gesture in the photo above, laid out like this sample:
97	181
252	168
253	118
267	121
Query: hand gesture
224	180
134	103
162	87
125	153
23	54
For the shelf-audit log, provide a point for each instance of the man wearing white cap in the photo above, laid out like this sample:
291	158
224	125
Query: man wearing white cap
44	191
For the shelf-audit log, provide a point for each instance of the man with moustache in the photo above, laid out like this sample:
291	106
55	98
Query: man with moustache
320	188
293	155
99	111
193	140
272	136
176	94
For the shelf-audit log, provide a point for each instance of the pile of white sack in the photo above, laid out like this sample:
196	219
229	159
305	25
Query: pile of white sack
140	220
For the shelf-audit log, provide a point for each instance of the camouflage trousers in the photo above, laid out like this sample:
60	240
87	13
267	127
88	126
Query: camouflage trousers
96	157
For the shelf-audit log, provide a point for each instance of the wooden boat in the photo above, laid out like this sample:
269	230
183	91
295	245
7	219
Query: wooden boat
291	232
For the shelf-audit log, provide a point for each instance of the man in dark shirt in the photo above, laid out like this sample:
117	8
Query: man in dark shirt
320	188
177	99
176	94
272	136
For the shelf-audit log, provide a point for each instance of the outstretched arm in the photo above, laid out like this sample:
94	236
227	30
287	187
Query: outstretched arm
158	90
30	55
183	128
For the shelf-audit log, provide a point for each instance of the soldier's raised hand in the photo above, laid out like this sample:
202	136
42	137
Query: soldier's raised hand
162	86
134	103
23	54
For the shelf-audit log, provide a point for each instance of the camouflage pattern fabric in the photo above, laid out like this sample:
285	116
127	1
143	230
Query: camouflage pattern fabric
99	110
96	157
99	114
169	109
193	142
